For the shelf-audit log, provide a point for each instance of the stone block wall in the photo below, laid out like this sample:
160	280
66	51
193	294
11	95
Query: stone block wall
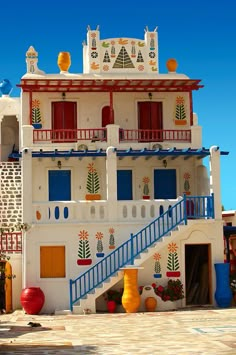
10	193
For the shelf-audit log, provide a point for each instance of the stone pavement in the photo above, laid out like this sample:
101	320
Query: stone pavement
189	331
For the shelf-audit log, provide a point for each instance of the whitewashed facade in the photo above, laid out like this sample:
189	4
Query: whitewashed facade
133	130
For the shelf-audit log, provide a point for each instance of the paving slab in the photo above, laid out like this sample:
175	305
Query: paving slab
189	331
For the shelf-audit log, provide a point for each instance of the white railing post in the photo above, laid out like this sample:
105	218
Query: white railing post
27	137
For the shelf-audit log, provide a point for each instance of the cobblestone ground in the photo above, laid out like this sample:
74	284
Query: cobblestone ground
195	331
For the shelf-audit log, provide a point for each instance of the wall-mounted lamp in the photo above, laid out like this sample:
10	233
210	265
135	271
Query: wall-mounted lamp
150	95
59	164
63	95
164	163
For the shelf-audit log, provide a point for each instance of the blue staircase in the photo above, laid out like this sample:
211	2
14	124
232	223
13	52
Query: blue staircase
194	207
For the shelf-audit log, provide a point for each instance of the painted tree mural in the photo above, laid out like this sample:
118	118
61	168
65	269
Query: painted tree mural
36	114
111	238
157	265
186	183
146	181
99	237
93	185
172	261
123	60
84	252
180	115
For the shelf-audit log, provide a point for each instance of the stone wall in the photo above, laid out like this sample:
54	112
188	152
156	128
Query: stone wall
10	193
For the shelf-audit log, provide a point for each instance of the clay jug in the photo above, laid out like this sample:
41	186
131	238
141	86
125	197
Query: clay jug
64	61
150	304
171	65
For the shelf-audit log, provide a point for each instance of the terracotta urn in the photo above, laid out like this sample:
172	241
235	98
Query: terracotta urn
171	65
111	306
131	298
32	299
64	61
150	304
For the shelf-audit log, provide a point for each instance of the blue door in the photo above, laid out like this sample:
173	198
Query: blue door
59	185
164	184
124	185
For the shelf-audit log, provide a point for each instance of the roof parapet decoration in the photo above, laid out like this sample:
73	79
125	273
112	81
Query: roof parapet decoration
120	55
31	61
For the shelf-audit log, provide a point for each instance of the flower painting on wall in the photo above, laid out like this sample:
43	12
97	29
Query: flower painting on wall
84	249
187	183
93	184
99	237
36	114
146	192
157	265
111	238
180	114
172	261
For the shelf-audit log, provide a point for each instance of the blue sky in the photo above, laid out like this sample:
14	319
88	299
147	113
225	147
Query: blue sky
201	35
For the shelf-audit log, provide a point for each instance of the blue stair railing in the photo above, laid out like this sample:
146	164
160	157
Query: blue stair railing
189	207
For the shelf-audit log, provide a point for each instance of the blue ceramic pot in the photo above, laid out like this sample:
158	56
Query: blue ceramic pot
5	87
223	293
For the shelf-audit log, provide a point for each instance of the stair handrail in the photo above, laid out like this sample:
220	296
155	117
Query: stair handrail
126	253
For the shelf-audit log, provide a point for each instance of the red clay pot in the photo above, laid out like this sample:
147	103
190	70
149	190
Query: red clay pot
32	299
111	306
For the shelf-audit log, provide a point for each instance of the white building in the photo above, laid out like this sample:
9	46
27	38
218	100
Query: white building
113	174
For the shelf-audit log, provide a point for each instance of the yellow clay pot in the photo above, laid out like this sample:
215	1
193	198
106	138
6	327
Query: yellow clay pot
64	61
171	65
131	298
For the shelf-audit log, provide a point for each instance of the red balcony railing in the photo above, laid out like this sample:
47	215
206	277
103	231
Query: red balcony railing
69	135
158	135
100	134
11	242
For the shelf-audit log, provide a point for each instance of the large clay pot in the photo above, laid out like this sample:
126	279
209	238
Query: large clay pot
171	65
131	298
111	306
32	299
64	61
223	293
150	304
5	87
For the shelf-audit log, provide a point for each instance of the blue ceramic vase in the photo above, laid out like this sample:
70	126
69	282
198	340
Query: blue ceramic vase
5	87
223	293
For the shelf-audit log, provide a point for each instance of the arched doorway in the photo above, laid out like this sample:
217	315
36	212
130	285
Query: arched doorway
106	119
5	286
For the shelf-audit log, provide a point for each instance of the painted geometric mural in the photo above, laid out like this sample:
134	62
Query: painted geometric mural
123	60
123	53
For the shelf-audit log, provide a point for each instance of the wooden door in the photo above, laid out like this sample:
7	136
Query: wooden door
150	118
124	185
59	185
8	287
164	184
64	121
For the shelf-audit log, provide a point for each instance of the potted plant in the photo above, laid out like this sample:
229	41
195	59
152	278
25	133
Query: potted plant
113	298
173	291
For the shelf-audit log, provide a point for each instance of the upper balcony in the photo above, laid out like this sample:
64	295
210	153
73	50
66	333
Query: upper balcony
112	135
